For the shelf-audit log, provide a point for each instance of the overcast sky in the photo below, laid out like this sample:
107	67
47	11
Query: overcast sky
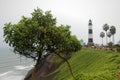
71	12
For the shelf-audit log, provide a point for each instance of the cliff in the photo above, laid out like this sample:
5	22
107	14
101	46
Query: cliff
46	66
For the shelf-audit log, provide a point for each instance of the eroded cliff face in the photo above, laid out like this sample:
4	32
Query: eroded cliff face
44	69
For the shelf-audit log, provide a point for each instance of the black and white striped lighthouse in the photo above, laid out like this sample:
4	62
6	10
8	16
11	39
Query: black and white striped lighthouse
90	33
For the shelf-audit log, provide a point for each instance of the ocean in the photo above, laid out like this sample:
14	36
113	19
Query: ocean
12	66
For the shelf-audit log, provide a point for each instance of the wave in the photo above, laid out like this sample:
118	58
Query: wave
21	67
5	73
12	77
18	73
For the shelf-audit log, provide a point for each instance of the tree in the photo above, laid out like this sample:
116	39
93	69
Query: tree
110	44
33	36
106	27
28	36
102	35
113	31
65	44
109	35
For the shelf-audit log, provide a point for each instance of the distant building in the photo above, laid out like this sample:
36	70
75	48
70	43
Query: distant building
84	44
90	33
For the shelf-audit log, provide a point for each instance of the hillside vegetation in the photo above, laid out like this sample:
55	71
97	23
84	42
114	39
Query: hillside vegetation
90	64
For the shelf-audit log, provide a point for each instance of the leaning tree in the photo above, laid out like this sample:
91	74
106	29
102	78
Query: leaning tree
28	36
106	27
64	44
32	36
102	35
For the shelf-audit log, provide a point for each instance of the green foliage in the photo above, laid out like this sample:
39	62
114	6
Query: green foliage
102	34
105	27
37	35
110	44
112	30
28	36
32	36
117	46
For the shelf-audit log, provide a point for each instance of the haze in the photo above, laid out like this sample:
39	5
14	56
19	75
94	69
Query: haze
75	13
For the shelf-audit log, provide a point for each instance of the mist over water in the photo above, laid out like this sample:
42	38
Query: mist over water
12	66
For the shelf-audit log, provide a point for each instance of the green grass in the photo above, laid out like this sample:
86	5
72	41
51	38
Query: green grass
90	64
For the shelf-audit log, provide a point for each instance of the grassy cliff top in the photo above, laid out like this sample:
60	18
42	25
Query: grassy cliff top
90	64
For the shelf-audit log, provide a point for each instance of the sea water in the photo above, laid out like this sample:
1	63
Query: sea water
13	66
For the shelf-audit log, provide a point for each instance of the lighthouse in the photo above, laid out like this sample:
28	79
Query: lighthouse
90	33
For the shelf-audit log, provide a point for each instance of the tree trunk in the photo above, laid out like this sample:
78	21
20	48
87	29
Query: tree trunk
109	39
70	70
67	64
36	67
113	40
38	60
106	38
102	41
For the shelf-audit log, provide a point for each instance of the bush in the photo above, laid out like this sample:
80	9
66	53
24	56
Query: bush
118	47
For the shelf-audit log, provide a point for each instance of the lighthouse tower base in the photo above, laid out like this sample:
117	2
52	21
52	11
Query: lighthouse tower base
90	44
